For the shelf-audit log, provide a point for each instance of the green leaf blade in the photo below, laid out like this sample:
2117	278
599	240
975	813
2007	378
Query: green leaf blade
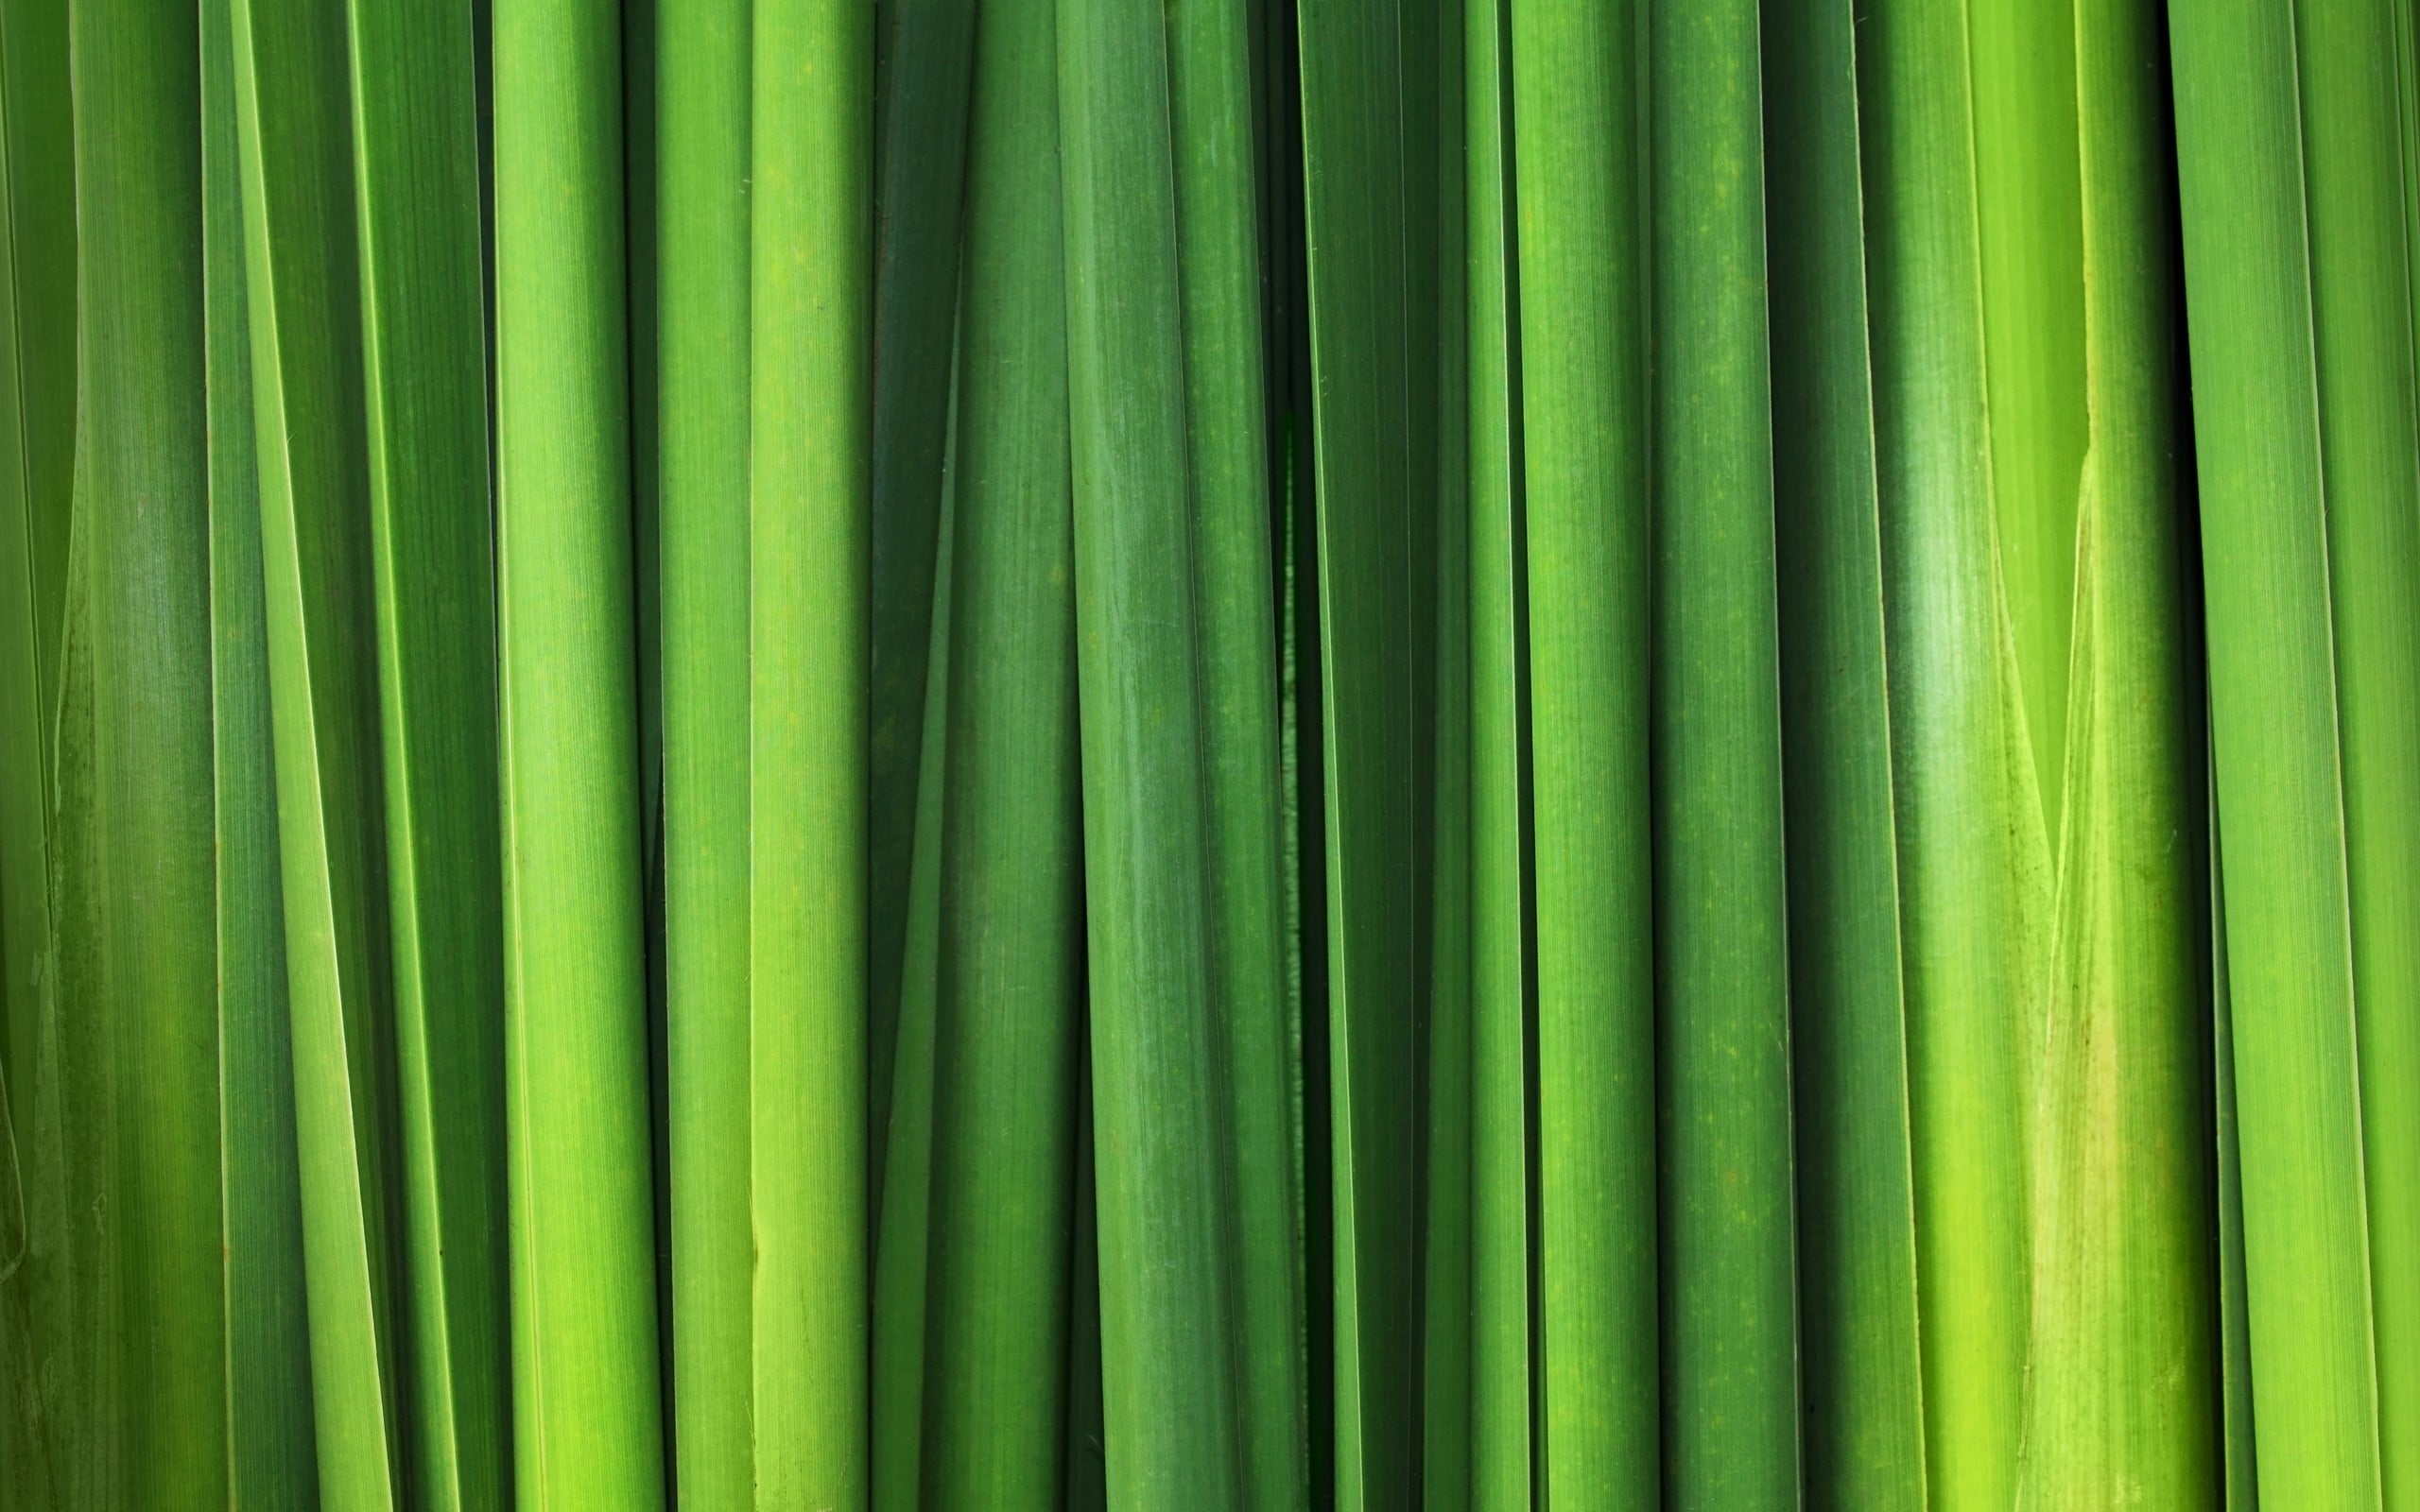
587	1411
704	107
1863	1375
1577	73
1010	964
425	356
2275	735
157	1344
1730	1280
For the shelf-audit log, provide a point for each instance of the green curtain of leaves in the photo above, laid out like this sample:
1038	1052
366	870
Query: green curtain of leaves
1228	756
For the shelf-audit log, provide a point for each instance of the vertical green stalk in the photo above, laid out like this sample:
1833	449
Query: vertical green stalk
2234	1336
290	66
272	1439
1169	1297
1087	1476
76	1092
425	356
1447	1298
1975	869
1004	1080
1370	504
1218	248
921	104
2022	60
2257	433
36	126
810	295
643	323
1863	1381
586	1420
903	1246
1577	73
1729	1276
37	438
142	481
1502	1117
703	235
25	897
2122	1374
2362	304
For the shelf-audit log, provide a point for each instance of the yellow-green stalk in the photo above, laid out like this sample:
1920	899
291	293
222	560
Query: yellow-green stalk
587	1421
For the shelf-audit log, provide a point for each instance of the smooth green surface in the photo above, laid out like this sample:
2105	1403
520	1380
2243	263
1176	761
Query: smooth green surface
903	1241
74	1266
40	143
1729	1256
1172	1414
2362	305
271	1441
1219	252
1448	1302
702	58
1358	162
2273	719
1577	73
36	435
1503	1259
144	922
926	66
587	1424
425	356
37	389
298	255
1975	865
811	300
1862	1378
24	896
2023	60
2235	1335
2124	1354
1007	1038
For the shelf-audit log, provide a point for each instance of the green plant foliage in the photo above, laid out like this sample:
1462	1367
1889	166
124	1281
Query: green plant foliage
1309	755
586	1418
